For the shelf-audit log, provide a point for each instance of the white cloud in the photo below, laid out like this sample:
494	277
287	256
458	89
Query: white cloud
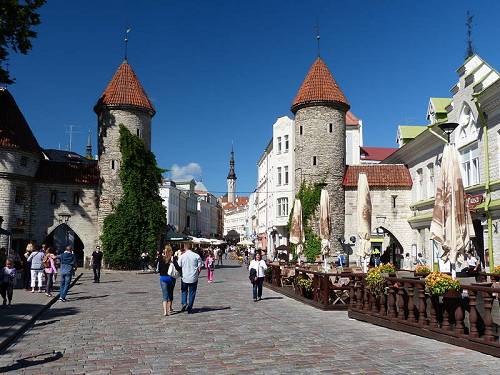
186	172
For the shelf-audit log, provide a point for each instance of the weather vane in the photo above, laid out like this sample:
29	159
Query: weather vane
317	35
126	40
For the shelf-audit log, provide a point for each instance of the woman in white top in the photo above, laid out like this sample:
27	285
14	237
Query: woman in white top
259	267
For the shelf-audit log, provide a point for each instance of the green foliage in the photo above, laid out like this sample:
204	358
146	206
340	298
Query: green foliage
387	268
139	218
16	20
437	283
310	196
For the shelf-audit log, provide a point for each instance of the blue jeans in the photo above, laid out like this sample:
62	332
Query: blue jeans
376	261
65	281
257	287
167	289
192	293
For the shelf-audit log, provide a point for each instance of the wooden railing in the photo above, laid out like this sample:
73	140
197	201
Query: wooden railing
329	291
461	318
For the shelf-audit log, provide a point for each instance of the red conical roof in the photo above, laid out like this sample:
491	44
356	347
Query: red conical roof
319	87
124	89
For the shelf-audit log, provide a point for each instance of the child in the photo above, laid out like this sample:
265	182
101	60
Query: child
7	281
210	265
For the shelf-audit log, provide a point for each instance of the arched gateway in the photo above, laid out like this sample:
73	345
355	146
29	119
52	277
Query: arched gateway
63	236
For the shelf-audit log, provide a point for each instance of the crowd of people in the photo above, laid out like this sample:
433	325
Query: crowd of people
40	267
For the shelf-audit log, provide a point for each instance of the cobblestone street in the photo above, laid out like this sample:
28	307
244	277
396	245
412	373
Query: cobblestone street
117	327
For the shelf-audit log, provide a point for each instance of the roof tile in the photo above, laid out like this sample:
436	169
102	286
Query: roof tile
379	175
125	89
319	87
376	153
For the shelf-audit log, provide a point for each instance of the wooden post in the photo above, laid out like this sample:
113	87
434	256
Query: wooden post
488	321
391	303
473	314
401	303
411	304
422	306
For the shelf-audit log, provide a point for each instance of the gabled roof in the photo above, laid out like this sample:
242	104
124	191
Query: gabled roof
78	173
14	130
124	89
379	175
376	153
65	156
440	104
319	88
411	131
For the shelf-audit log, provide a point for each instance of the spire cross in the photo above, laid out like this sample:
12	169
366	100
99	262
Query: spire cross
318	37
468	23
126	41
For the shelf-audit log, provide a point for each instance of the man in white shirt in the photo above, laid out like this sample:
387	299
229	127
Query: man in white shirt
190	262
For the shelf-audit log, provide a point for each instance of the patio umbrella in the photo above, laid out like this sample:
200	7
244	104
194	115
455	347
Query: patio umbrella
451	224
364	214
245	243
297	232
324	222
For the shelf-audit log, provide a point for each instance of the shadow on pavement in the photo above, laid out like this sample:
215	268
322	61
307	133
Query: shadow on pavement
265	298
209	308
34	360
87	297
46	323
109	281
229	266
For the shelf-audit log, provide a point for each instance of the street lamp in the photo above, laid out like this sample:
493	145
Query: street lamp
448	128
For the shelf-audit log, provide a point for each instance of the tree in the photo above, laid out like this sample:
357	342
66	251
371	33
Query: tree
139	218
16	20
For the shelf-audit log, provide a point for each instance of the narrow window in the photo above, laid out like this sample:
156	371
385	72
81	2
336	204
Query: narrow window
76	198
300	130
19	198
279	176
314	160
286	175
330	126
286	143
112	164
279	145
53	197
394	201
24	161
138	132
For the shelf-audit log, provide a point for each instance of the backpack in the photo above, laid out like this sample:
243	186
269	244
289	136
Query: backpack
46	261
211	265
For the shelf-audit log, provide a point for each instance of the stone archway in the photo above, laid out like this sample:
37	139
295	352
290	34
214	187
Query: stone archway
62	236
393	251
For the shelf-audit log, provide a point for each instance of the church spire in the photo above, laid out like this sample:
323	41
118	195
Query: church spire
88	148
231	175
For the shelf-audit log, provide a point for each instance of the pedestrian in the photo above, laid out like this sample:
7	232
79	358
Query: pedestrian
36	259
168	269
96	263
27	265
473	264
407	263
3	255
68	267
7	281
49	263
225	252
190	262
257	269
144	261
421	261
246	256
210	266
376	257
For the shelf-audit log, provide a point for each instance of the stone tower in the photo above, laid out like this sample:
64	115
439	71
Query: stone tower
231	180
124	101
20	157
320	111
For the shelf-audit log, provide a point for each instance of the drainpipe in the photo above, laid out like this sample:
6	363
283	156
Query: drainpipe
487	187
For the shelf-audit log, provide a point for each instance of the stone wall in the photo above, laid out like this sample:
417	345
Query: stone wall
394	220
138	123
82	217
316	141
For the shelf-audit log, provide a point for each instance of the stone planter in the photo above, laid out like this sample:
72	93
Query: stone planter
451	301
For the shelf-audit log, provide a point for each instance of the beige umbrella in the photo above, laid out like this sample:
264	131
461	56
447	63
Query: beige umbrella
451	224
297	232
364	214
324	222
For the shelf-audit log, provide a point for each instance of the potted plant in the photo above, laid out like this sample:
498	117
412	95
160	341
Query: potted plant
422	270
495	276
388	269
305	286
441	284
375	281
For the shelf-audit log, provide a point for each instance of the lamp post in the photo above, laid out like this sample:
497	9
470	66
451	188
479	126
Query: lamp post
448	128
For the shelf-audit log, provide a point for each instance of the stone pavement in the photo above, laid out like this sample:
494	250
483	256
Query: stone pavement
117	327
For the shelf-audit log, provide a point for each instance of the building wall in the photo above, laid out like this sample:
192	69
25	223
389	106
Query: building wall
82	217
329	150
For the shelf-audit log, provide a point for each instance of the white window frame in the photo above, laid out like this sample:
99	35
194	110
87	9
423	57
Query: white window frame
431	181
285	172
279	145
282	207
287	145
279	177
470	165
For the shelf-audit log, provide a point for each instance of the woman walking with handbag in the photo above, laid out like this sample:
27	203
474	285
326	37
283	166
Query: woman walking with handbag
257	270
210	266
169	271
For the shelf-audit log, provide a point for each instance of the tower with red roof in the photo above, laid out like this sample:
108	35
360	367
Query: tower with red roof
320	109
124	101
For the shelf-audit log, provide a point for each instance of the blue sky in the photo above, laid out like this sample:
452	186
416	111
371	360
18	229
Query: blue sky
223	71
